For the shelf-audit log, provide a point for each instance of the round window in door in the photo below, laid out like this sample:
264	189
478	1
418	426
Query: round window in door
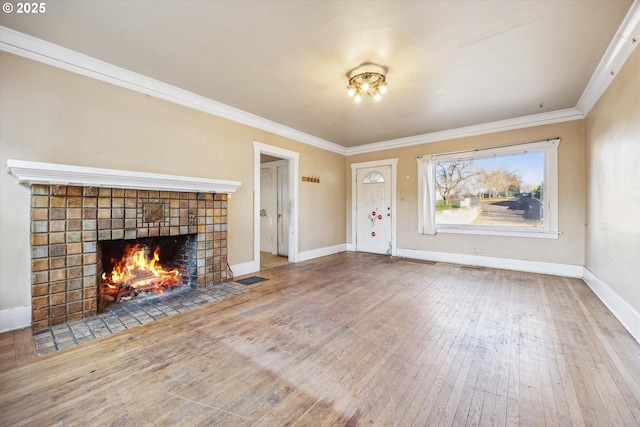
373	178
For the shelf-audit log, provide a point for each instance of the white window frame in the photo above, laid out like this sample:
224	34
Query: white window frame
549	230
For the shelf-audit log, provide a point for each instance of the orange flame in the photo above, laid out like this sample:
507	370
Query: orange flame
134	273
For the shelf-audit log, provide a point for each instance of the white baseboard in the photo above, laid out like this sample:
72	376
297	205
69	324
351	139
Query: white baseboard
244	268
566	270
15	318
317	253
351	247
626	314
252	266
20	317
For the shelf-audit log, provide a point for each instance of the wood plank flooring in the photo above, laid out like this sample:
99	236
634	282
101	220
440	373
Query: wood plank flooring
269	260
349	339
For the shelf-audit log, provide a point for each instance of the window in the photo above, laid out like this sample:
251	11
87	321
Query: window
507	191
373	178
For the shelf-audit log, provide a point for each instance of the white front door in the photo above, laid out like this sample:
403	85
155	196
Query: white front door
373	210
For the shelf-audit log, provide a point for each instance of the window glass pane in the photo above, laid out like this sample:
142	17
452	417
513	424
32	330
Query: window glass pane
504	190
373	178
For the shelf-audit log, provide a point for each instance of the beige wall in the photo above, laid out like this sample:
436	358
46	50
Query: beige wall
612	131
51	115
568	249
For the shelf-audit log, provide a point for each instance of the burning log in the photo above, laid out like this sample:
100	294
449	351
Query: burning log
134	274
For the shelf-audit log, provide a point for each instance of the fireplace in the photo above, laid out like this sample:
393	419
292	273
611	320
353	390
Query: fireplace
73	226
76	211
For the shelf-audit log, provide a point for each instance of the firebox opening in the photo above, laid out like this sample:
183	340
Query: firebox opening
145	267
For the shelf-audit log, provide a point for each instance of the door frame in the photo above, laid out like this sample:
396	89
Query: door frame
293	159
282	206
354	199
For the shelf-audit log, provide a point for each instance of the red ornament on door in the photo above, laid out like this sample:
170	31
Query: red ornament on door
373	234
379	216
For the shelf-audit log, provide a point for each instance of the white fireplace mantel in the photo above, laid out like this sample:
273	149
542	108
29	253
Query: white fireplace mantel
54	174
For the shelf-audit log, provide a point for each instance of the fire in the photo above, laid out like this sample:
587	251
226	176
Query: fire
135	274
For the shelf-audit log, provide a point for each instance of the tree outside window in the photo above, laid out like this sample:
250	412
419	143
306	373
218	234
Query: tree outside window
492	190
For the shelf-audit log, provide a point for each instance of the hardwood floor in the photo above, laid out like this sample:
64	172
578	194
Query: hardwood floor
268	260
348	339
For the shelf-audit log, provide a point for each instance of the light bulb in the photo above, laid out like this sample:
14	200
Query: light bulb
352	91
383	88
365	86
377	96
357	98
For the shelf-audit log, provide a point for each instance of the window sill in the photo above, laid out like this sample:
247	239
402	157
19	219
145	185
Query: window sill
502	232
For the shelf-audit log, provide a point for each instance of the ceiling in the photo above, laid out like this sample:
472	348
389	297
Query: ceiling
450	64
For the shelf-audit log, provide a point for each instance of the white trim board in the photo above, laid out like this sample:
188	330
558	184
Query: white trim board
15	318
20	317
540	267
250	267
320	252
48	53
49	173
481	129
625	40
51	54
294	161
623	43
243	268
622	311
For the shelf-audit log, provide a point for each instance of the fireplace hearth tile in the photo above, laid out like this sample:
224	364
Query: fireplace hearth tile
131	314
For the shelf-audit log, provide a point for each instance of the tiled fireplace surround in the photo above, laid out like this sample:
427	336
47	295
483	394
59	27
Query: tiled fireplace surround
68	222
75	208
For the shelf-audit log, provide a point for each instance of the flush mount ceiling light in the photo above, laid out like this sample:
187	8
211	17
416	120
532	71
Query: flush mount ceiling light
372	84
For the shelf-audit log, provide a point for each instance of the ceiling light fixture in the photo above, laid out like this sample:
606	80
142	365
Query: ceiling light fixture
372	84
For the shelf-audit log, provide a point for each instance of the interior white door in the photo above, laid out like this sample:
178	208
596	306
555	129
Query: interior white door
268	210
284	210
373	209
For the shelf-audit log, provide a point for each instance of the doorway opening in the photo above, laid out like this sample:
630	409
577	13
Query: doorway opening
275	211
276	205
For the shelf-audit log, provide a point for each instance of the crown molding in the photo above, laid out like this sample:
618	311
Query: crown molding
625	40
619	49
48	53
499	126
53	174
